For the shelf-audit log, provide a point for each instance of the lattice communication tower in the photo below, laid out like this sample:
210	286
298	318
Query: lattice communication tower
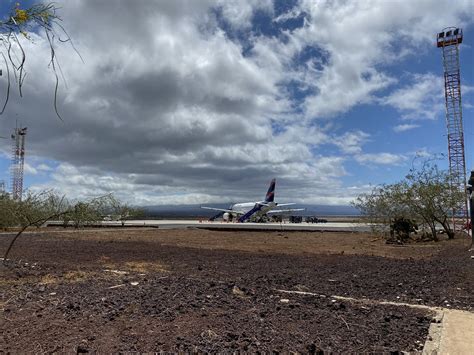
448	40
18	162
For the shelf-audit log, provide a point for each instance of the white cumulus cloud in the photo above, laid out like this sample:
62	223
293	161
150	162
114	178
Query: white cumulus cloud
381	158
182	101
405	127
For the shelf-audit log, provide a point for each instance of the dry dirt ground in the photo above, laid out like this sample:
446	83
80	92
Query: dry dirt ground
140	290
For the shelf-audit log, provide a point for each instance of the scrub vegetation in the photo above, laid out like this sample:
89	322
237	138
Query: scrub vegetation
38	208
424	198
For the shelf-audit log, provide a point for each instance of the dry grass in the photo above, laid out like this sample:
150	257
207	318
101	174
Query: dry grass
48	279
145	266
78	276
69	277
137	266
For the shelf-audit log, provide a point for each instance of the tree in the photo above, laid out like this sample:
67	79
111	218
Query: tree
425	196
433	197
19	23
31	211
38	208
34	210
7	216
122	211
83	213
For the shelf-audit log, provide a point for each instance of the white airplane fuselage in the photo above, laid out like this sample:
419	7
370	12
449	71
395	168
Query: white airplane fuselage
244	207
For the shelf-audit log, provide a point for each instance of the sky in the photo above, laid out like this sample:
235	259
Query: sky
205	101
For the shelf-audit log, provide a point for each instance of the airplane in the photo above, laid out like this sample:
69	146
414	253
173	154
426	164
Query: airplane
247	210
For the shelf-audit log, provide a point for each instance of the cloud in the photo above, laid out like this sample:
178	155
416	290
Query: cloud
405	127
44	167
351	142
315	185
422	99
350	45
466	89
193	101
177	107
425	153
381	158
29	170
239	13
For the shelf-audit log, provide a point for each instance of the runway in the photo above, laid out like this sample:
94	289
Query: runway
204	224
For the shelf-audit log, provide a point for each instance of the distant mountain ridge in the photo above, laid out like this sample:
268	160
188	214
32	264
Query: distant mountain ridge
181	211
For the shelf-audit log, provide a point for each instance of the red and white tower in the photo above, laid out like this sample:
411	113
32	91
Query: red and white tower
449	40
18	162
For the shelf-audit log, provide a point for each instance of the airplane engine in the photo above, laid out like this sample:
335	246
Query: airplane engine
227	217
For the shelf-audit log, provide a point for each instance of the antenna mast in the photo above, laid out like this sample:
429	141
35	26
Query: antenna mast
448	40
18	162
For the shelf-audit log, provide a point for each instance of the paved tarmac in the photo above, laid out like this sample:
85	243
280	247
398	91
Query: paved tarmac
204	224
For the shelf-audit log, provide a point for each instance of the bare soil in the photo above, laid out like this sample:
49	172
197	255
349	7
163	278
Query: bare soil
212	291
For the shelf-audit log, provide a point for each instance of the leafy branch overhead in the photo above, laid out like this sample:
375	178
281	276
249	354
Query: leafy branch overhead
19	23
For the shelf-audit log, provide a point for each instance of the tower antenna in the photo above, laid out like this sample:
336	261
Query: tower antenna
18	162
449	40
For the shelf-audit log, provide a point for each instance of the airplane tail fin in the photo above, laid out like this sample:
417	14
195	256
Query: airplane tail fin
270	196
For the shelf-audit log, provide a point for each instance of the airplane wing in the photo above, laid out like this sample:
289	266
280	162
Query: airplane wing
219	209
285	211
279	204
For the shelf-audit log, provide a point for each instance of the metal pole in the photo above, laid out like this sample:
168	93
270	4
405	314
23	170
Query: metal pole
449	40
